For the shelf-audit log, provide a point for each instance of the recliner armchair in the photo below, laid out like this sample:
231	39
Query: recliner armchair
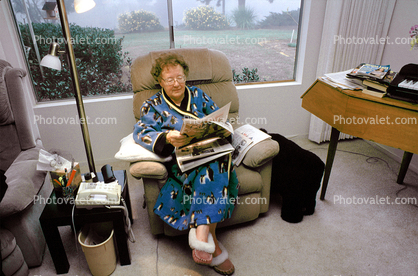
20	143
209	70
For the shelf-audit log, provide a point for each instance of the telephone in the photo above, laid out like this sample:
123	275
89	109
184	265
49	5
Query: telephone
98	194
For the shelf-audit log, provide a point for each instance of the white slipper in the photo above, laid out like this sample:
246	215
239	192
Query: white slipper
194	243
220	258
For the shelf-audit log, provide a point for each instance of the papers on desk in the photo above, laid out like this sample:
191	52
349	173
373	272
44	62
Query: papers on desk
339	79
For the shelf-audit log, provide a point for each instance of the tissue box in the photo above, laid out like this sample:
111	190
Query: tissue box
61	181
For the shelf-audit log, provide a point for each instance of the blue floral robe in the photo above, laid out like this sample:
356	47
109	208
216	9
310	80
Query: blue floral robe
202	195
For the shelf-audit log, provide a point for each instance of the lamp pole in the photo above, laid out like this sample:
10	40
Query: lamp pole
170	23
76	85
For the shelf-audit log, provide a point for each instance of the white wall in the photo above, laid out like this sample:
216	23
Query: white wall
397	55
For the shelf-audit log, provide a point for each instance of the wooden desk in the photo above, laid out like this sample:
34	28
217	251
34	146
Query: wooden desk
385	121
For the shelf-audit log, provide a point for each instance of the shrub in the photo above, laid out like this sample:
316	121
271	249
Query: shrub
247	75
99	59
204	18
275	19
244	17
139	21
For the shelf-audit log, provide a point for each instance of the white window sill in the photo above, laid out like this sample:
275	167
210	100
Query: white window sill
93	99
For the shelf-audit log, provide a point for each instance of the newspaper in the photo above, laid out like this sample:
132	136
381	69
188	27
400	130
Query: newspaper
209	126
244	138
208	141
201	152
339	79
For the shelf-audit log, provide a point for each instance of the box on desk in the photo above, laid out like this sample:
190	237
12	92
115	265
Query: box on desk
66	183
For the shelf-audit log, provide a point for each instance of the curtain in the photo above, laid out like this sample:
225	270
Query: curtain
352	33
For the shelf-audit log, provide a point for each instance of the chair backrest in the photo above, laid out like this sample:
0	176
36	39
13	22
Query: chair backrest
209	70
18	128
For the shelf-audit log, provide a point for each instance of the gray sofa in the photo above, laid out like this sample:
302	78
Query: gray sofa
20	143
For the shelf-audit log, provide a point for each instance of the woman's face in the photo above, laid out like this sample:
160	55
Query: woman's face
176	90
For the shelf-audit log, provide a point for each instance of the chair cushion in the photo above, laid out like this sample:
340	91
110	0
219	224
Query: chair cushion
131	151
209	70
6	115
9	146
8	243
24	182
250	181
261	153
147	169
198	60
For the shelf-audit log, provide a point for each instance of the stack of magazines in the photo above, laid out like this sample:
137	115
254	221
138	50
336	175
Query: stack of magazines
374	78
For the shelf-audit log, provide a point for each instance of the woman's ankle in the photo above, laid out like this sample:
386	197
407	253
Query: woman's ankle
202	233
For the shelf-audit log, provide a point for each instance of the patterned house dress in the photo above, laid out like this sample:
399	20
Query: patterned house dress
202	195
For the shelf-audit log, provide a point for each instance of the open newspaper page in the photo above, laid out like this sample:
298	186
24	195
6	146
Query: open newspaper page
201	152
208	141
209	126
244	138
339	79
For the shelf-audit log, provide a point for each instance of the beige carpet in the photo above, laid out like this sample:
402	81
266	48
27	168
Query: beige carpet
355	238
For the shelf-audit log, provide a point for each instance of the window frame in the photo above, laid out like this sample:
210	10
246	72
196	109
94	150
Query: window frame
297	74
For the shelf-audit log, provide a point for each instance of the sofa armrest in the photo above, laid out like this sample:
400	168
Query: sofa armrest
148	169
261	153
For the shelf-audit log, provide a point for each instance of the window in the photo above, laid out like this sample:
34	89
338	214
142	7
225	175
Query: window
258	36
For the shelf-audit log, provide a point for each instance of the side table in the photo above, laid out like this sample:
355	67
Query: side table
55	215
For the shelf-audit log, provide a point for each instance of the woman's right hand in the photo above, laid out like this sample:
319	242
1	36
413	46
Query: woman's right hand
176	139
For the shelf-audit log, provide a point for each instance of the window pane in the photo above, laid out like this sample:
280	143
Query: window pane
258	36
105	40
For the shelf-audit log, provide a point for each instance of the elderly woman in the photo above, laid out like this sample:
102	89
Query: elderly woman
200	198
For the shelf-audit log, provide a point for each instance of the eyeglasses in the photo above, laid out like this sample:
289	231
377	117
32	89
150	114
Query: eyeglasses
179	79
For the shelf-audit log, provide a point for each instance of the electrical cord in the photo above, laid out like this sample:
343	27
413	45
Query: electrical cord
128	226
74	229
374	159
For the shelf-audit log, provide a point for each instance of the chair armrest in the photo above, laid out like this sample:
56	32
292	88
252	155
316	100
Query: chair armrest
261	153
148	169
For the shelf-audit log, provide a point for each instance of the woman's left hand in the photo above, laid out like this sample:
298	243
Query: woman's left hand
176	139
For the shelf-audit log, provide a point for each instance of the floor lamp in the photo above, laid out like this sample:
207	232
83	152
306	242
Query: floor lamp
80	6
